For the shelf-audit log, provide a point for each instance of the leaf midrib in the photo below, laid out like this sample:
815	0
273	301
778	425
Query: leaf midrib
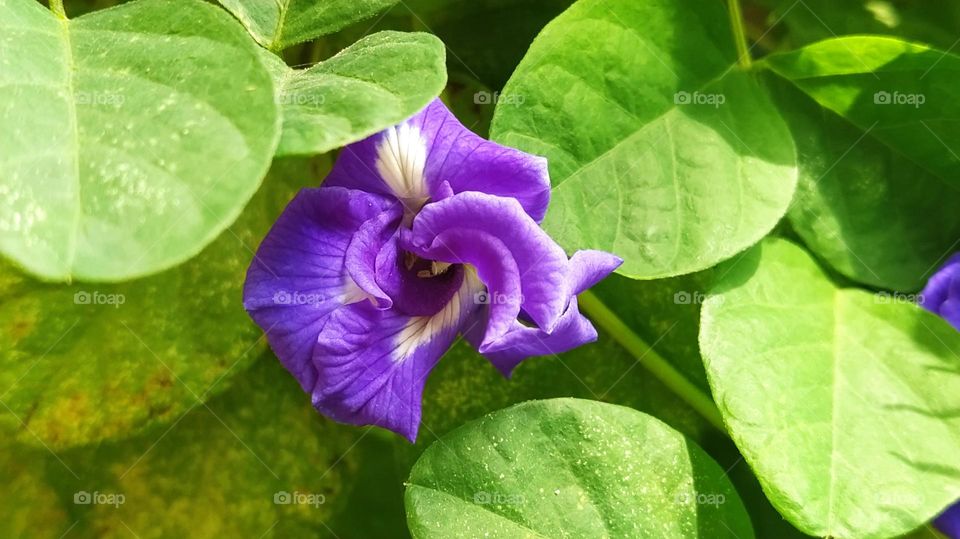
283	6
636	132
837	301
75	154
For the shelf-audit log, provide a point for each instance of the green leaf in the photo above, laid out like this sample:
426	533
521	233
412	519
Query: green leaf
31	507
492	54
278	24
873	215
930	21
465	386
379	81
217	471
132	136
570	468
81	363
680	152
904	94
844	403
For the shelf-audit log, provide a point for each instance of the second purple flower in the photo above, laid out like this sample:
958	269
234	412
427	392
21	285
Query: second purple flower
420	233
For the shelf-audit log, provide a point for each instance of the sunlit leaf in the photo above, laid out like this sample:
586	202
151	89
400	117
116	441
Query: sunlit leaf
570	468
843	402
131	137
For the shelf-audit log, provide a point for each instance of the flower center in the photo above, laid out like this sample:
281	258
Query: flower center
412	261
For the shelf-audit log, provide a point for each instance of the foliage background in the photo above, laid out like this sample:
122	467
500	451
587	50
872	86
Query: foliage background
211	470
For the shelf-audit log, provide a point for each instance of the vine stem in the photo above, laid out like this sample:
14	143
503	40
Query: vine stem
739	34
649	358
56	6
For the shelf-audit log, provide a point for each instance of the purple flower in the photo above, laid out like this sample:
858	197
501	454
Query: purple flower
942	293
420	233
942	296
949	522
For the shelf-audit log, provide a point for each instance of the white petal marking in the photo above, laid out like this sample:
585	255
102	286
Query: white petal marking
352	293
401	157
420	330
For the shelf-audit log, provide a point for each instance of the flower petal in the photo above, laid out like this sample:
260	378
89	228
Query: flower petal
414	160
412	293
298	277
520	342
372	364
949	522
589	267
542	264
942	293
367	244
496	269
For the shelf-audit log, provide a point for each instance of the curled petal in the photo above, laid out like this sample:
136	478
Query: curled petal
367	244
372	364
297	277
541	263
432	155
412	293
496	269
573	330
589	267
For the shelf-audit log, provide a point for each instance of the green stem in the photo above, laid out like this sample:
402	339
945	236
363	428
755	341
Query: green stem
56	6
649	358
739	34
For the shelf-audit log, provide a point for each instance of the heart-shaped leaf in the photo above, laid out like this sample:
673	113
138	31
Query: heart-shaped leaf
661	150
131	136
903	94
570	468
377	82
843	402
277	24
872	214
